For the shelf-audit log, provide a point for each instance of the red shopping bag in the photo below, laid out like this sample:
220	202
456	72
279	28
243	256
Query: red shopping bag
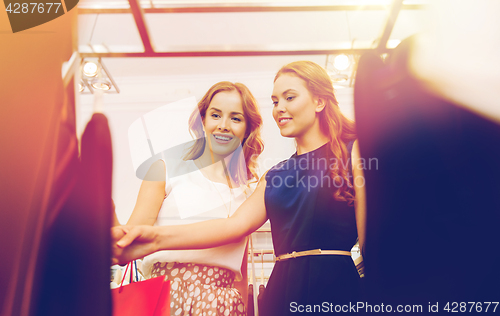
145	298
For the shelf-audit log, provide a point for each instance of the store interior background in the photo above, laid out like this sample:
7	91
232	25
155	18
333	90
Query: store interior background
54	219
41	102
147	83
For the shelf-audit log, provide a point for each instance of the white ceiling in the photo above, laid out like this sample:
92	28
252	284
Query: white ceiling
233	31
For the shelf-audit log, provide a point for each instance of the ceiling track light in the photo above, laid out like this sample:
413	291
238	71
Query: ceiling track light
95	76
341	67
90	69
339	78
101	84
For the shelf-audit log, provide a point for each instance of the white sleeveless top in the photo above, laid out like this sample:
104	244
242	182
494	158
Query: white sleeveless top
192	198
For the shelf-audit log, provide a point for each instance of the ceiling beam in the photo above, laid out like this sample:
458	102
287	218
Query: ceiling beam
244	8
140	22
223	53
389	25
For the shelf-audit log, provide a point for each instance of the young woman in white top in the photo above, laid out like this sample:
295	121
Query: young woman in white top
211	180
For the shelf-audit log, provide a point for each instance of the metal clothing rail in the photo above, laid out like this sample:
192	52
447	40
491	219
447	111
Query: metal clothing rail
228	53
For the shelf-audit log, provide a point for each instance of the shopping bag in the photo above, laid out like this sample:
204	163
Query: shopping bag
145	298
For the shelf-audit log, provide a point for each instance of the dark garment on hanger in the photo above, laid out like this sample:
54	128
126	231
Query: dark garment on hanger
260	297
433	202
305	216
73	270
250	306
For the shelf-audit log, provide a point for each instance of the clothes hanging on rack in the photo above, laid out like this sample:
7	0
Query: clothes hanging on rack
433	200
250	307
262	289
74	263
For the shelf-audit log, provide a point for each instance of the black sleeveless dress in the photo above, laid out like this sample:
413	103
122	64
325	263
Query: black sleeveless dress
305	216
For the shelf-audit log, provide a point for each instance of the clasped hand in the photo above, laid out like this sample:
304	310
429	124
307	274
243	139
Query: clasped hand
132	242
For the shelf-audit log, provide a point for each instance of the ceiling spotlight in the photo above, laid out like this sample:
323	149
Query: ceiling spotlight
90	69
341	62
95	76
101	84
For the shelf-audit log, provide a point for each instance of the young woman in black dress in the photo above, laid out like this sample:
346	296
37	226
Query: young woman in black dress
315	202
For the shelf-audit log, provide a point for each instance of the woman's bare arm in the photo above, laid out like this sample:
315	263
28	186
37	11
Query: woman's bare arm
138	241
359	188
114	220
150	197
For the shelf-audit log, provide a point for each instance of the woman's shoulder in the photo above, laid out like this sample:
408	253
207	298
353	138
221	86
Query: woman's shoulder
280	166
156	171
349	145
178	167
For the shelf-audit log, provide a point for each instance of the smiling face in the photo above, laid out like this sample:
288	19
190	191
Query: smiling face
224	123
295	108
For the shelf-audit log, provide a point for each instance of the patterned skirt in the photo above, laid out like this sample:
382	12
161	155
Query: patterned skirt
197	289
